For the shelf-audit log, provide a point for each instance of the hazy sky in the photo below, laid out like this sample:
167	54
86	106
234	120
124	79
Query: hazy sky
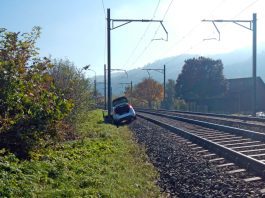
76	29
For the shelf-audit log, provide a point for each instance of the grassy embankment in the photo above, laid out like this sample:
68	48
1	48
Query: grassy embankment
105	162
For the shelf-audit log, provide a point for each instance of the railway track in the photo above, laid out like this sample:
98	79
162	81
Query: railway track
236	117
244	122
237	151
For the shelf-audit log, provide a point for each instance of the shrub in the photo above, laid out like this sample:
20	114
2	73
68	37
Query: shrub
75	87
30	104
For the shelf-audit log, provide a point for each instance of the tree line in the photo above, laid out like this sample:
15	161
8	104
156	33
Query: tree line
200	79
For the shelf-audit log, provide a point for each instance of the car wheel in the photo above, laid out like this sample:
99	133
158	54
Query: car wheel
116	123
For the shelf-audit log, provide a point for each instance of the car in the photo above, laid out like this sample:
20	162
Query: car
260	114
122	111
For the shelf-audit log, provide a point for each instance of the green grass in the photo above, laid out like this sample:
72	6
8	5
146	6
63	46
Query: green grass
104	163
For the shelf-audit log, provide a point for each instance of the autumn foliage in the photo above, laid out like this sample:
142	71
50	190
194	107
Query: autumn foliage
148	90
30	105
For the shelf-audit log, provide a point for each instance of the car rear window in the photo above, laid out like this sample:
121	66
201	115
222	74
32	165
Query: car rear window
119	101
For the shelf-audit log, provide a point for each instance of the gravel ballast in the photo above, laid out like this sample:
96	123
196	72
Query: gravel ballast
183	172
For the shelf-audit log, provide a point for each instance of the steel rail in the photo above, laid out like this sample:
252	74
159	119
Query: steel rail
238	158
243	132
245	118
227	120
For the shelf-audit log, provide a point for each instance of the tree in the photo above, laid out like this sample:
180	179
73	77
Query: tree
149	90
200	79
170	94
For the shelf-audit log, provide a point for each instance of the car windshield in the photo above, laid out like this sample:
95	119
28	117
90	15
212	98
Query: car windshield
119	101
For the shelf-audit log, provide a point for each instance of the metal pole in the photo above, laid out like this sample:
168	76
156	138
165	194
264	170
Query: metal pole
164	84
95	90
105	90
254	64
252	22
109	63
131	91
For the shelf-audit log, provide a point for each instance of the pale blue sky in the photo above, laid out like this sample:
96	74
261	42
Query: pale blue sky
75	29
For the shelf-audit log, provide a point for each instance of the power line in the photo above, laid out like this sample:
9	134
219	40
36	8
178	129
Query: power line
143	35
192	30
162	19
147	46
109	28
105	44
240	12
199	43
247	7
142	53
103	6
156	9
105	36
167	9
243	10
187	50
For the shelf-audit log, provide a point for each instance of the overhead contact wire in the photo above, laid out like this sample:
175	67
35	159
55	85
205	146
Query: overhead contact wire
142	37
147	46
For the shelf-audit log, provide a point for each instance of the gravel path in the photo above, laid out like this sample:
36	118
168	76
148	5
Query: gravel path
183	172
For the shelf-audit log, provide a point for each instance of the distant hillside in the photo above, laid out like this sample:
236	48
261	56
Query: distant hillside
237	64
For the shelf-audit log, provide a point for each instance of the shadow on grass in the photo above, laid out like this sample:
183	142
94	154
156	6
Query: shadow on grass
109	120
13	142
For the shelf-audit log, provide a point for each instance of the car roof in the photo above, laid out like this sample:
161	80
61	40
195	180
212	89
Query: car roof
123	97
